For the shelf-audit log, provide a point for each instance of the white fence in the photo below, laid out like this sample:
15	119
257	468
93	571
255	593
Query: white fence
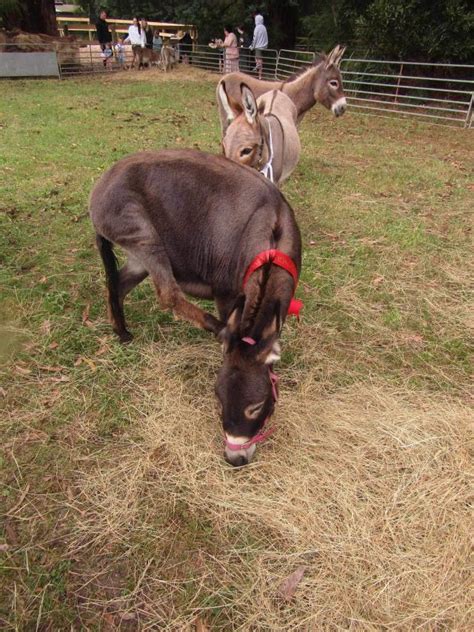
438	93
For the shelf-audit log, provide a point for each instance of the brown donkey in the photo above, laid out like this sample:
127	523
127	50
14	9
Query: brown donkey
262	134
319	83
200	224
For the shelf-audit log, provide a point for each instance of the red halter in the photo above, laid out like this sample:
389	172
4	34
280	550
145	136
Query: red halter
281	260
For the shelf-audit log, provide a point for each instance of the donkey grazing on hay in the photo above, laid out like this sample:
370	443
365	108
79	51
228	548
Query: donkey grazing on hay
261	134
200	224
319	83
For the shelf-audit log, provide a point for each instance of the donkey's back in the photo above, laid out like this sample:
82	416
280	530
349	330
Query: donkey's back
193	222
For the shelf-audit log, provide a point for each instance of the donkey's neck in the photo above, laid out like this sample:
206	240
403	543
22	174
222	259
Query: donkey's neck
302	90
269	290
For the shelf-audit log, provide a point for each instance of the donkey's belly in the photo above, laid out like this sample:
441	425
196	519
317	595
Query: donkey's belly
194	288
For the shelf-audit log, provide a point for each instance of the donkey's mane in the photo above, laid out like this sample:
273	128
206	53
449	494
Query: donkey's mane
304	69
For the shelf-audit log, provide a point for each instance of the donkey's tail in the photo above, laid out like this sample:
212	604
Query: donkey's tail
113	286
109	260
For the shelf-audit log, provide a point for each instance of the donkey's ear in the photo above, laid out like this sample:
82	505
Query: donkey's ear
231	332
229	106
340	54
249	103
272	351
335	56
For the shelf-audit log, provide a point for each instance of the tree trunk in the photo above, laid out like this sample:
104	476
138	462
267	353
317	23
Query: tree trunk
284	19
35	16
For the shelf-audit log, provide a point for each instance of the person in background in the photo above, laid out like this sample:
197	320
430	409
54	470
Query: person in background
136	37
185	47
148	33
244	44
259	43
157	43
104	35
107	56
231	46
120	52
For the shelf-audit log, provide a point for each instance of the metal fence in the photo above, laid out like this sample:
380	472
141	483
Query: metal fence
438	93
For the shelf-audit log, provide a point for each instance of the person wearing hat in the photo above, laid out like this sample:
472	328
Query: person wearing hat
259	43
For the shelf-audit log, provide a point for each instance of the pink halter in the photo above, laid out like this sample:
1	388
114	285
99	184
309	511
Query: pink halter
262	434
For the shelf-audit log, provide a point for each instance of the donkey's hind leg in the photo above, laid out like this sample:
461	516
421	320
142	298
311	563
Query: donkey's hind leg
129	276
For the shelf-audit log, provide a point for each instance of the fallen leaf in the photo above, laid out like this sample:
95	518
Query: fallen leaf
378	280
63	378
78	361
4	547
11	534
22	371
200	626
128	616
85	313
287	588
52	369
53	345
46	327
91	364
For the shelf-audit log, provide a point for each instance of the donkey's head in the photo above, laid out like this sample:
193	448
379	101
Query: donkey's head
244	386
244	140
328	87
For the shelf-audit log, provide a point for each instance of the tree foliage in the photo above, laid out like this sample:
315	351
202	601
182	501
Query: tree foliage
425	30
33	16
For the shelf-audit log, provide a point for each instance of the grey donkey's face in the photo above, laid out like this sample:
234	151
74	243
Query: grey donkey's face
329	90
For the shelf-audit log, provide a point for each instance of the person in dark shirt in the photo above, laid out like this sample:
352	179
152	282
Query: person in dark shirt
148	33
103	34
185	47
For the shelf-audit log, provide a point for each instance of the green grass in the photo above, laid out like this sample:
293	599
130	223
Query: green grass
384	208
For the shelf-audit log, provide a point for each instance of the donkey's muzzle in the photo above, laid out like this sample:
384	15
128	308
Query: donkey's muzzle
339	107
236	460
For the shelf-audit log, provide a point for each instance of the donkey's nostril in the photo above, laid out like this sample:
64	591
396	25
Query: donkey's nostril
238	461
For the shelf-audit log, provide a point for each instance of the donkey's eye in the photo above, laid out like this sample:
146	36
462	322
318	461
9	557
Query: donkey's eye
246	151
252	411
334	83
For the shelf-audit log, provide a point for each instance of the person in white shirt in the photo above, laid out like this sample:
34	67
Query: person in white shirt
259	43
137	38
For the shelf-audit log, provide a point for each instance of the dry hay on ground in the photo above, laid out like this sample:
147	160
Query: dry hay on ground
366	487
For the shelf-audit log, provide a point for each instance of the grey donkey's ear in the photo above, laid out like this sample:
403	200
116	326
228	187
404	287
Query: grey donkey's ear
335	56
249	103
229	107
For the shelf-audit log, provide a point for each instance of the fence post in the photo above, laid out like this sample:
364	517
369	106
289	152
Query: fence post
398	82
277	63
468	121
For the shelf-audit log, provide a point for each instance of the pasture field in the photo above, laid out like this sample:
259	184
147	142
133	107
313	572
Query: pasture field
118	510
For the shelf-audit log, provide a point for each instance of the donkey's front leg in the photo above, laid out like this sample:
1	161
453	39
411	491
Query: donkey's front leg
145	247
171	297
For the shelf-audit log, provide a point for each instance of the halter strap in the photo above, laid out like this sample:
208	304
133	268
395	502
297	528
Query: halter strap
262	434
267	169
282	260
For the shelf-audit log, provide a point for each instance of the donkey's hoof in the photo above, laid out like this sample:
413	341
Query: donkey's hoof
213	325
125	337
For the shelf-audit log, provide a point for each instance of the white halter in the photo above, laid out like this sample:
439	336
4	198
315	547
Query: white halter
267	168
